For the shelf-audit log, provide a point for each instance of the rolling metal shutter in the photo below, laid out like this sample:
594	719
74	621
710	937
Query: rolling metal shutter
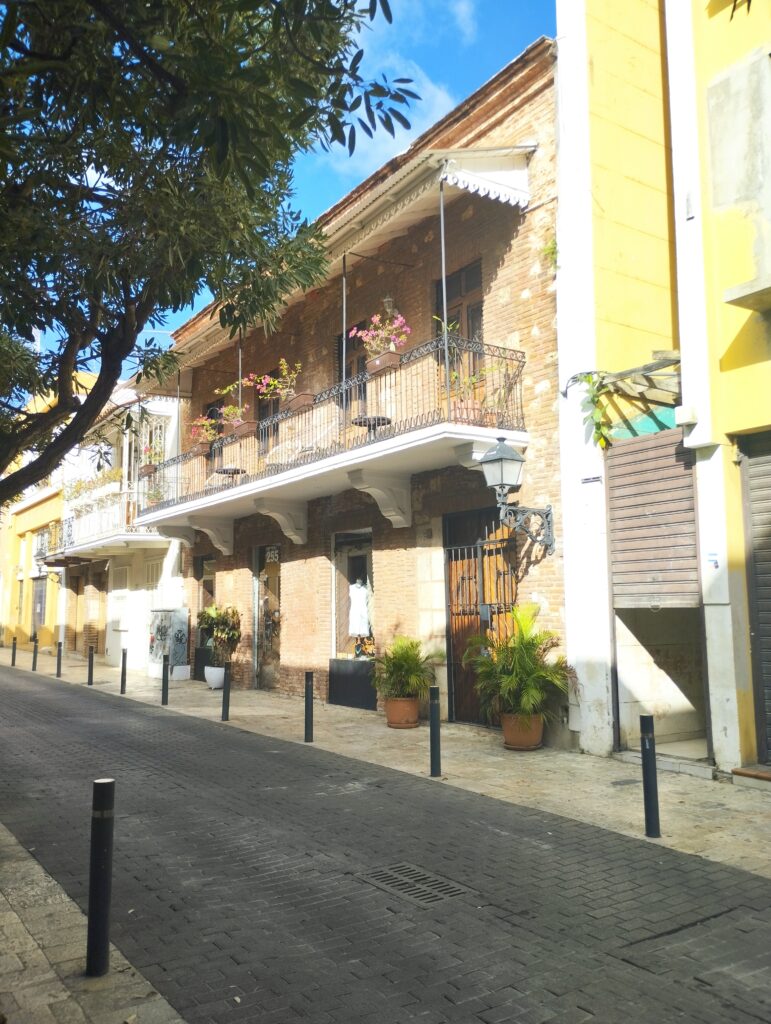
758	478
652	522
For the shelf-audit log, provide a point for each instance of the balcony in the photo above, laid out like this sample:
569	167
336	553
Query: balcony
102	528
371	432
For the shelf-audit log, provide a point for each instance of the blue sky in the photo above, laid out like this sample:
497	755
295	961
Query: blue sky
449	48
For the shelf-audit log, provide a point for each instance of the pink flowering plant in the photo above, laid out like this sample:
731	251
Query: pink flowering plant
267	386
384	334
204	428
153	453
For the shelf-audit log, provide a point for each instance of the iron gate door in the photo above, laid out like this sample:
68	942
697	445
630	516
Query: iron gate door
481	588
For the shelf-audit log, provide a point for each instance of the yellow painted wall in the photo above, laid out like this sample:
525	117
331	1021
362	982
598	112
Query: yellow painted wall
631	188
739	340
18	560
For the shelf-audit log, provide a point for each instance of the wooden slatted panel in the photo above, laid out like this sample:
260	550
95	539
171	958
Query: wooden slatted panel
758	451
652	522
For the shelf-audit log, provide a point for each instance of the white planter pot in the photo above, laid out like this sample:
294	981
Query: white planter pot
215	676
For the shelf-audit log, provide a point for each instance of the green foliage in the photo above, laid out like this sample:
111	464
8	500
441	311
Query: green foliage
146	152
515	673
549	253
77	488
595	416
223	627
404	670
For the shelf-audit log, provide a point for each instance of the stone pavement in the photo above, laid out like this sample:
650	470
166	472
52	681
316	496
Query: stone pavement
246	884
717	820
42	956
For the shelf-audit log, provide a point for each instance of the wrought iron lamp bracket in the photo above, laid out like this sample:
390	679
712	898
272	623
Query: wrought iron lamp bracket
536	523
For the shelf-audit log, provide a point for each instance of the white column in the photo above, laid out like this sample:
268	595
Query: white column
583	541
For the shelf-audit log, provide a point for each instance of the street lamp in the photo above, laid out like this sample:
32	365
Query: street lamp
503	467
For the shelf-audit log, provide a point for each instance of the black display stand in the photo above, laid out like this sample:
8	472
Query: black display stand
201	658
350	683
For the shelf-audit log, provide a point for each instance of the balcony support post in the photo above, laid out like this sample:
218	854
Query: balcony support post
445	325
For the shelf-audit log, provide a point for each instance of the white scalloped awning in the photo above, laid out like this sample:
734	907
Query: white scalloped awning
410	194
506	184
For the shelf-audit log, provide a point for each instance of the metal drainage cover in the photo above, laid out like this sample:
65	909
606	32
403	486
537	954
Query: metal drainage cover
413	884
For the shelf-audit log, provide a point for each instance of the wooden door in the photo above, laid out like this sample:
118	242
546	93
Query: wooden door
481	588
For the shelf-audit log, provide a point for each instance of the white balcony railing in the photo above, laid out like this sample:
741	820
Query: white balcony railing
110	516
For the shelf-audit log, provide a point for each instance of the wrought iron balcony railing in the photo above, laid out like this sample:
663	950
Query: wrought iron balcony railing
485	389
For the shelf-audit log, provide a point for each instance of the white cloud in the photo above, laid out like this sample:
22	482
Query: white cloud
464	12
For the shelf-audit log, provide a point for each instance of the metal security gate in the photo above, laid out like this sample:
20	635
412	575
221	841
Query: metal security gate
481	588
757	483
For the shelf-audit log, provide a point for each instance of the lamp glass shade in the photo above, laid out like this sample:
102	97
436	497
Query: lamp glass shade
503	466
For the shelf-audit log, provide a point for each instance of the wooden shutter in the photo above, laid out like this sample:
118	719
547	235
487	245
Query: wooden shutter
652	522
758	489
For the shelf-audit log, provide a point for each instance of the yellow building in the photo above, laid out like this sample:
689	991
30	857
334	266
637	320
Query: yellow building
664	286
30	590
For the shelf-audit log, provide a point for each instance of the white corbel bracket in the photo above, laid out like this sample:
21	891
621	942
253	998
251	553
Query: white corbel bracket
186	534
219	532
291	516
392	494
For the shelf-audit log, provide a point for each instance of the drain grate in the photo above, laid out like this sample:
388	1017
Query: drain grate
413	883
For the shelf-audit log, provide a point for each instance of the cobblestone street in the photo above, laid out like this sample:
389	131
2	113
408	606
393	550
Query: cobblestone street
244	885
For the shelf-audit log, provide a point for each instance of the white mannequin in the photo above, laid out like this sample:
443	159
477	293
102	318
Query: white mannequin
358	615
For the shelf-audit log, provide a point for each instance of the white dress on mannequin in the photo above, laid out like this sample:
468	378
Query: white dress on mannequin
358	616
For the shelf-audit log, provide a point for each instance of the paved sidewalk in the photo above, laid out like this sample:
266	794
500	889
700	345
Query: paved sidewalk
715	820
42	957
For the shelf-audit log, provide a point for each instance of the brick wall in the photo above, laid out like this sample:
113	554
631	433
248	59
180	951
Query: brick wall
519	313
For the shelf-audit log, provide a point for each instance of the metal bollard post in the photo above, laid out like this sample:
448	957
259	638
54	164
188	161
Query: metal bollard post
123	657
650	784
59	646
433	722
13	652
165	681
309	707
226	695
90	665
100	879
34	654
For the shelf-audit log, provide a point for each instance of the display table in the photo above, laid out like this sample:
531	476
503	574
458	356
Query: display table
350	683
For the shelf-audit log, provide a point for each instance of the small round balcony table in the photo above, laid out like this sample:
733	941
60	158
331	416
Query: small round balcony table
371	423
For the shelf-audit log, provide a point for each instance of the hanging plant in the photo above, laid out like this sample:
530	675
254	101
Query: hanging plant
593	407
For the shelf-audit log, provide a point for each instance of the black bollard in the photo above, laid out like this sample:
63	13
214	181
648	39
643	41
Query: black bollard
165	681
123	657
13	652
59	659
34	655
433	723
90	665
650	784
309	707
226	695
100	879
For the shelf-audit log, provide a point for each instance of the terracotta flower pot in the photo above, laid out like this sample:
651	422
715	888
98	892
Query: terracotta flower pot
402	712
146	471
522	732
385	361
246	429
467	410
201	448
302	400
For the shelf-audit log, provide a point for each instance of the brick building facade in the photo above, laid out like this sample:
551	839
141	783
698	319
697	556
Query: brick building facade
376	480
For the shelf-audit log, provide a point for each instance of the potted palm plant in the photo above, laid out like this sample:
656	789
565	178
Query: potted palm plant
515	676
222	627
403	675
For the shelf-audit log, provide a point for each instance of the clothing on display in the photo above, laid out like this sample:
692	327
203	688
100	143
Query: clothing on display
358	615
